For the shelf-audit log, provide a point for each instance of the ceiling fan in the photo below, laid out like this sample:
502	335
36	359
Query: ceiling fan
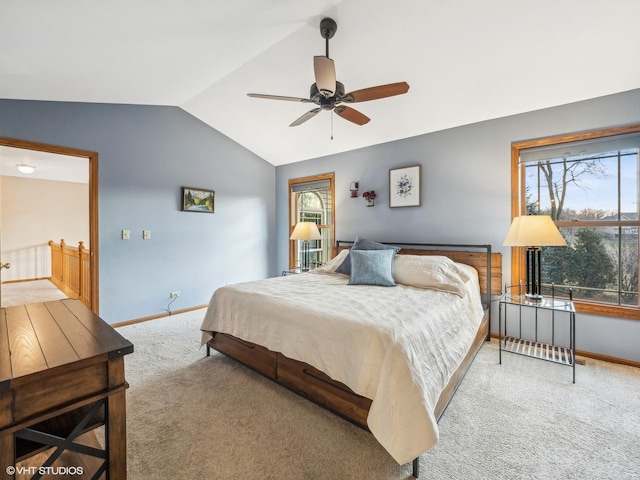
329	94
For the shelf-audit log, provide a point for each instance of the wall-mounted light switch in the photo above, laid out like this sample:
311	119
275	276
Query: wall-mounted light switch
126	235
146	234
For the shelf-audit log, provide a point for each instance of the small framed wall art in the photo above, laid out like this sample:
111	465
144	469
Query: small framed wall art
198	200
404	187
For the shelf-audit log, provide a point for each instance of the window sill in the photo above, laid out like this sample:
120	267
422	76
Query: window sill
629	313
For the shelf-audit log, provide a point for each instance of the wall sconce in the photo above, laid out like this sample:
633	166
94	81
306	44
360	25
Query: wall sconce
24	168
370	197
354	189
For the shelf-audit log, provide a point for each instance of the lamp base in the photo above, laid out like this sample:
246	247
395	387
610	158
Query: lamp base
534	274
533	296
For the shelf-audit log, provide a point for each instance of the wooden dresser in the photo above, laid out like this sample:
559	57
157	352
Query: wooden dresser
61	375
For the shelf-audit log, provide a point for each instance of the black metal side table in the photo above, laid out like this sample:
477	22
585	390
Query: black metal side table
530	315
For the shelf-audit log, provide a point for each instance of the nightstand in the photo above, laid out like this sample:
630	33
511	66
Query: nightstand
544	328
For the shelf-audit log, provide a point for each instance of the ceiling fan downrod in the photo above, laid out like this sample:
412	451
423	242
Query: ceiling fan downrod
328	29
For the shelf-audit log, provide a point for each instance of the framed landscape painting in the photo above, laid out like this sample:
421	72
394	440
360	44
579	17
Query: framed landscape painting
404	187
198	200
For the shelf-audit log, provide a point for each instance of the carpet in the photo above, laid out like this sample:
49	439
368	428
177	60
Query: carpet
193	417
34	291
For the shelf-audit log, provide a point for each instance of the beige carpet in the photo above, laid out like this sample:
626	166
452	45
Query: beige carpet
21	293
192	417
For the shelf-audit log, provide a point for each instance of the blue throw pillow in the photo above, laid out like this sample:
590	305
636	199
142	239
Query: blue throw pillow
362	244
372	267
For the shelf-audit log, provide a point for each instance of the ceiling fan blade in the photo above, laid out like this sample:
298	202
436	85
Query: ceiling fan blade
325	72
305	117
352	115
278	97
374	93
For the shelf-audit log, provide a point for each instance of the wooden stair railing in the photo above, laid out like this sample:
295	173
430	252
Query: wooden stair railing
70	270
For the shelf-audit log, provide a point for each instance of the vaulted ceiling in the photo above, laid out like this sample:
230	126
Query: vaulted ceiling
465	61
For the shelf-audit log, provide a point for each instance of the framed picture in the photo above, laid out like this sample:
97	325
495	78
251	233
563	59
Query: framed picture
198	200
404	187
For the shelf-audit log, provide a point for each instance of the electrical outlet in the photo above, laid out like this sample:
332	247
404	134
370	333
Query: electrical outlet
126	235
146	235
174	294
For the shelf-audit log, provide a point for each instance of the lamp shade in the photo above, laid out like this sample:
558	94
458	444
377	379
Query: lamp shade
305	231
533	231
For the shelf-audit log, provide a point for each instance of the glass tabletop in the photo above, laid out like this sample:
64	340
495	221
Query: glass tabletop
548	302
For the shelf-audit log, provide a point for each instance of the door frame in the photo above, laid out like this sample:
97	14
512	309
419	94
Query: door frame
93	201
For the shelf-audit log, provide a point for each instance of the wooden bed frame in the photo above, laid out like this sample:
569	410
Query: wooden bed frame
337	397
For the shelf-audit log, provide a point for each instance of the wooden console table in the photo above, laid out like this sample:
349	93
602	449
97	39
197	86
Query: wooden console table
61	375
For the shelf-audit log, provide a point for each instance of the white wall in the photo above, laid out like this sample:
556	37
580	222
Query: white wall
34	212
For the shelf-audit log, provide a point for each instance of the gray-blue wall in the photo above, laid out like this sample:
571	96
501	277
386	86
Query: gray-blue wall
146	154
466	192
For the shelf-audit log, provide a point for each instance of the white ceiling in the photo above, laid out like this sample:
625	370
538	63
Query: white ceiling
465	60
49	166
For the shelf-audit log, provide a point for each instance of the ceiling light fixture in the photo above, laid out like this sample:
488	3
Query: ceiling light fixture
24	168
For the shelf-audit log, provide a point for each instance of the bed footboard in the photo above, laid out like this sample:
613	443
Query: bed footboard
318	387
256	357
298	377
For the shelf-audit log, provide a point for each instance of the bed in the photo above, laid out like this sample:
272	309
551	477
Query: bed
386	359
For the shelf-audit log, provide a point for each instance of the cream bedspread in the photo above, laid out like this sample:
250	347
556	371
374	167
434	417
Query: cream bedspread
397	346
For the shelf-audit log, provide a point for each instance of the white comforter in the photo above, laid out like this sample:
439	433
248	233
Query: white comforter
397	346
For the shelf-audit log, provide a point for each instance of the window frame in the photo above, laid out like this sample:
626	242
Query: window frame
292	221
518	207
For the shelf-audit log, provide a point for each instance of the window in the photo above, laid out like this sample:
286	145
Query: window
311	200
588	184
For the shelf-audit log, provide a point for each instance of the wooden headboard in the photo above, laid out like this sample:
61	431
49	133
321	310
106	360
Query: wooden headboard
479	257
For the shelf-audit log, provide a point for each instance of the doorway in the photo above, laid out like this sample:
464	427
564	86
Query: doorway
49	155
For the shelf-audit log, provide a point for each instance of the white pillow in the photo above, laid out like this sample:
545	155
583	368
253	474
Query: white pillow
430	271
335	262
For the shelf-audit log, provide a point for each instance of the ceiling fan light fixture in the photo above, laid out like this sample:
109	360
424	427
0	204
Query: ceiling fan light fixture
26	169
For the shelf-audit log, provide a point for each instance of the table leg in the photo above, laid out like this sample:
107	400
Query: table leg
117	436
116	428
7	452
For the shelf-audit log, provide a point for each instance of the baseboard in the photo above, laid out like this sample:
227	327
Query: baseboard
154	317
606	358
597	356
26	280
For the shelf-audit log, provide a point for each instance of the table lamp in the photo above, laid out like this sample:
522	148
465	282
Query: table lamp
533	232
305	231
